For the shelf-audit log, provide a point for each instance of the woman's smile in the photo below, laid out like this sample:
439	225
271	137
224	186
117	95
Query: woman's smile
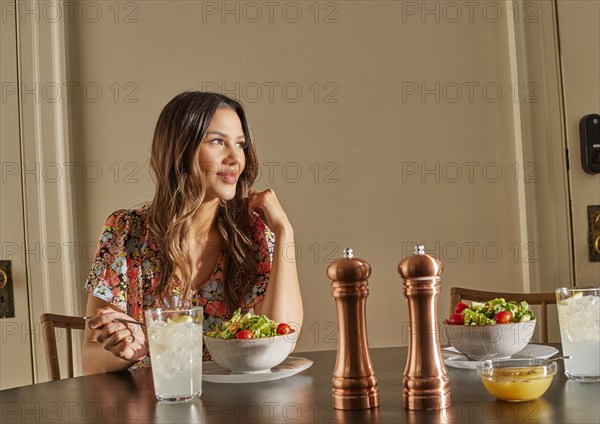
228	177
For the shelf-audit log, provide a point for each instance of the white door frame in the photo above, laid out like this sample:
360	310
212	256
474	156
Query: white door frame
46	171
539	124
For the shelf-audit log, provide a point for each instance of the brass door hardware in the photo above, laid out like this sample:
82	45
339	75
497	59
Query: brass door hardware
7	300
594	232
3	279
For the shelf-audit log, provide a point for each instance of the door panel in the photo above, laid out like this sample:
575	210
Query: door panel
579	27
15	344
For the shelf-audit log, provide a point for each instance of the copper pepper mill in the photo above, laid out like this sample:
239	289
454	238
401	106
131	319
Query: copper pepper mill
354	382
426	385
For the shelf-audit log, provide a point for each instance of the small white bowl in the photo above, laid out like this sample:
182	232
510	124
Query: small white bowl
250	356
490	341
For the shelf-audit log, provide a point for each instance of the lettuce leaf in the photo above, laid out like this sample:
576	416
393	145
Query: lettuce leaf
484	313
259	325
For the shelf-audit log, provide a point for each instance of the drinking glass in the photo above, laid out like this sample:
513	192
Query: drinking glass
175	342
579	320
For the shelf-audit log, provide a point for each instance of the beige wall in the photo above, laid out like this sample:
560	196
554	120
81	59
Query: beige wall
370	138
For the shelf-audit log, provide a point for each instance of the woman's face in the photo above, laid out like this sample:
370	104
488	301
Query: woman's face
221	154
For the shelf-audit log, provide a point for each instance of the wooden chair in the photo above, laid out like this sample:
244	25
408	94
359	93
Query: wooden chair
543	299
49	323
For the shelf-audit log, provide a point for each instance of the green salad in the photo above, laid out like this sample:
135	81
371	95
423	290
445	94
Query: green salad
249	326
496	311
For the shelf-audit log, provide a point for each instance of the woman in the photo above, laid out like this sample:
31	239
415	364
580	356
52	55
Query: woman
205	239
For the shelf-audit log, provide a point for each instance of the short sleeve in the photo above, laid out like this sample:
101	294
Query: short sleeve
264	240
108	279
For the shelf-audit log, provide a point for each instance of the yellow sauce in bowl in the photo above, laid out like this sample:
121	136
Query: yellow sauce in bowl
517	384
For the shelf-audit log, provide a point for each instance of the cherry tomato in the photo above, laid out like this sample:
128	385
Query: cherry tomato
283	329
456	319
244	334
460	306
503	317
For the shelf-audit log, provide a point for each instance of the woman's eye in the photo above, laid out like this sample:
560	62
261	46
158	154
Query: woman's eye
216	141
242	144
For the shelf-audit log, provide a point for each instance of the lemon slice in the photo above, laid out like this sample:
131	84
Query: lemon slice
576	295
179	320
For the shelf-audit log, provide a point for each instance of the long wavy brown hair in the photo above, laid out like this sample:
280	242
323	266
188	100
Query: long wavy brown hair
180	189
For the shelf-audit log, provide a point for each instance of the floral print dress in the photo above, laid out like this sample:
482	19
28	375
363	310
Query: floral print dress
127	268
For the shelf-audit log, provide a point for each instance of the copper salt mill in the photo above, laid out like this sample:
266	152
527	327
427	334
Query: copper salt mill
354	382
426	385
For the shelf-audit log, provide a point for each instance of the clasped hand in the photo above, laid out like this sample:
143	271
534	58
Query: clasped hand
267	206
124	340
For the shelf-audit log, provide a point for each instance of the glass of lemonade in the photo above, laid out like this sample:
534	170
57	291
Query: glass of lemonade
579	320
175	342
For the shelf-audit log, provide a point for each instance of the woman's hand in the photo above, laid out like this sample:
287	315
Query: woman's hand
124	340
282	301
267	206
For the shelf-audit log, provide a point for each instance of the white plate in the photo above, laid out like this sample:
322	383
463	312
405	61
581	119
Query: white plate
453	358
214	373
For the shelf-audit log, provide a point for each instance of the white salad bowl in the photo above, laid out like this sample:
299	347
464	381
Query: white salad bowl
490	341
244	356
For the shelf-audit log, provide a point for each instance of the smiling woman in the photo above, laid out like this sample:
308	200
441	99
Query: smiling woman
206	239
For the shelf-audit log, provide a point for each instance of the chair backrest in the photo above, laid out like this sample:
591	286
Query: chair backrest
543	299
49	323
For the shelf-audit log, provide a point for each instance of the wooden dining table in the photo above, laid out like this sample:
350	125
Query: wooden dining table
128	397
